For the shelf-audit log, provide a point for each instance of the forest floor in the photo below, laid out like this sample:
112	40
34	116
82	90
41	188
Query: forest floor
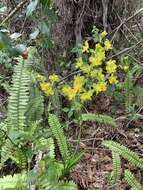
96	165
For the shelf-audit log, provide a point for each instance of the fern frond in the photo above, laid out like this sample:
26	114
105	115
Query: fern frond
138	91
64	185
9	150
116	173
59	135
19	157
46	145
51	148
125	153
35	106
3	133
102	119
6	151
19	96
13	182
128	87
129	177
31	130
72	162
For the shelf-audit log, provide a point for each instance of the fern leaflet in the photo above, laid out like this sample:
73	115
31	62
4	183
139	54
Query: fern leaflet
132	181
128	86
62	185
12	182
59	135
125	153
116	173
19	96
102	119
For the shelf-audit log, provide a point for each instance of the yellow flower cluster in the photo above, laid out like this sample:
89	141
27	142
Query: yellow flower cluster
108	45
86	96
47	87
96	74
100	87
85	47
78	84
54	78
111	66
103	34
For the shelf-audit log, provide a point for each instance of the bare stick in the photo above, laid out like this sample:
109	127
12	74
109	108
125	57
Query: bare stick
125	21
20	5
126	50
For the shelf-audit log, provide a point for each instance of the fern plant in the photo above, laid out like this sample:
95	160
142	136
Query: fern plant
23	139
19	96
101	119
18	100
118	151
70	159
59	135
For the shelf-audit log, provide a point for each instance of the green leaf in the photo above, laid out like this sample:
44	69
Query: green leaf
34	34
15	36
65	109
4	41
31	7
132	181
44	28
124	152
103	119
3	9
13	182
114	178
20	48
46	2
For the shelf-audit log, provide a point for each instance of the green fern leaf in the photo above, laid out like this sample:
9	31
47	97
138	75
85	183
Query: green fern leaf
125	153
35	106
72	162
62	185
129	177
51	148
3	133
19	96
102	119
18	155
59	135
128	87
116	173
47	145
13	182
6	151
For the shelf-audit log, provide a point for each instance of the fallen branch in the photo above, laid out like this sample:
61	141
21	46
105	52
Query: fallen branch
126	50
20	5
125	21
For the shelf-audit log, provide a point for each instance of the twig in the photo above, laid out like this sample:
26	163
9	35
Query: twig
105	13
132	16
66	77
20	5
125	21
126	50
